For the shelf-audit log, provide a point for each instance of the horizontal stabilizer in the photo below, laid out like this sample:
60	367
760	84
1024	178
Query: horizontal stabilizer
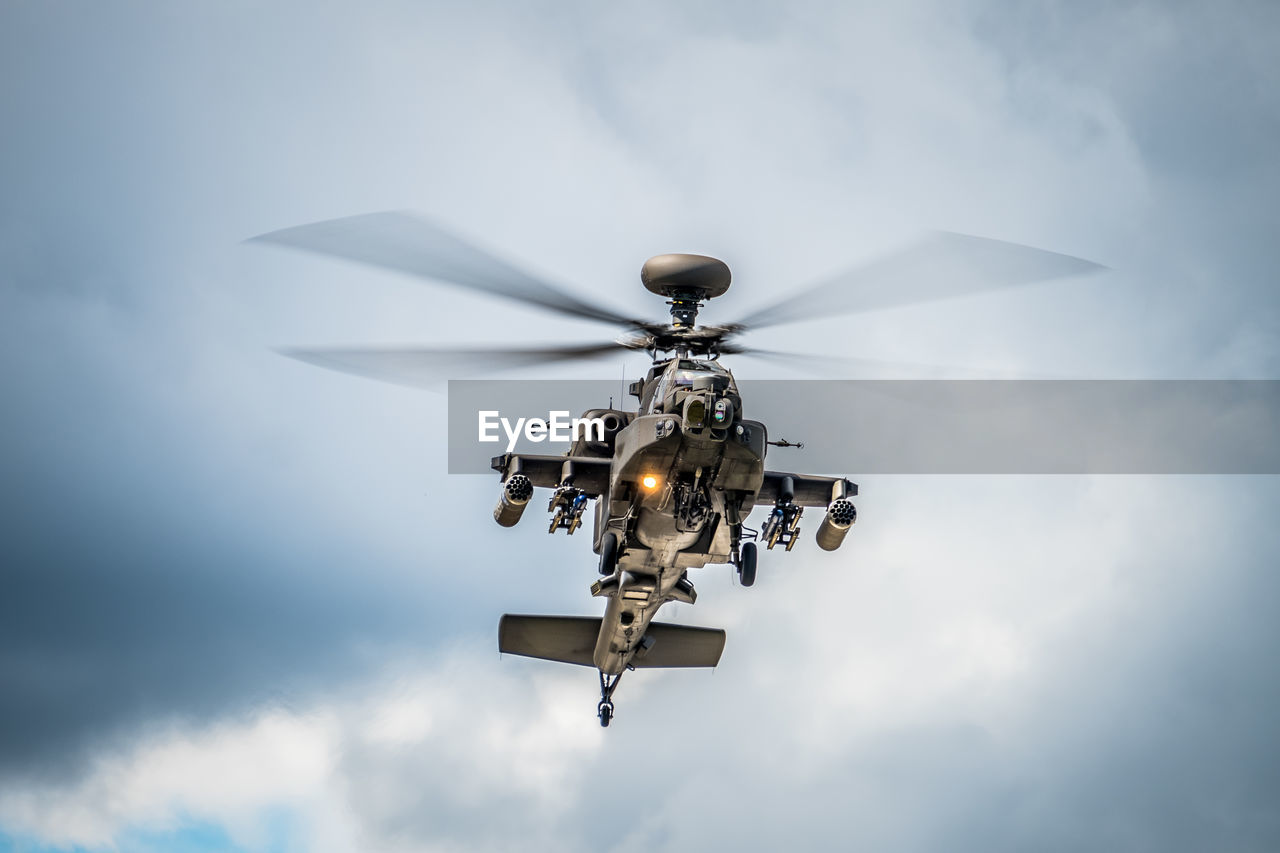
572	639
568	639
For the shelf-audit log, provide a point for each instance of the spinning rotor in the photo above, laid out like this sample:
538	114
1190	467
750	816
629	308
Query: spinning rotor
941	266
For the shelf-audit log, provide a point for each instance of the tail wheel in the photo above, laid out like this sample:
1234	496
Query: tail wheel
747	564
608	553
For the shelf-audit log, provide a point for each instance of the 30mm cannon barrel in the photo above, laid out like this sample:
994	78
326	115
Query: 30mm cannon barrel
516	492
841	515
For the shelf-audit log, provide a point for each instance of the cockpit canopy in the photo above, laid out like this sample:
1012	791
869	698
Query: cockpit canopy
684	376
687	373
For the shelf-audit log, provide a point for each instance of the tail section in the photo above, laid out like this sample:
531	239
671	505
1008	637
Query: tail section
572	639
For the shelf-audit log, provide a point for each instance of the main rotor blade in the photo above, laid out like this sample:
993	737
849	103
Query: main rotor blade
834	366
409	244
941	266
425	368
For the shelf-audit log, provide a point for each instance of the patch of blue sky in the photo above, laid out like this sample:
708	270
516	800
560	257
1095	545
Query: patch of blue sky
275	834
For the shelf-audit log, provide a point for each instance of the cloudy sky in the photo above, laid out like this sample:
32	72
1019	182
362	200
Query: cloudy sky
243	606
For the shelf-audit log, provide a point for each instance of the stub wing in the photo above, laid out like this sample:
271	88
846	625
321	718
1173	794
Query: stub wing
807	490
588	473
572	639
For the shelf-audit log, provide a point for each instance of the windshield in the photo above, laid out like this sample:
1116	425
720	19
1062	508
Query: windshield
711	366
688	370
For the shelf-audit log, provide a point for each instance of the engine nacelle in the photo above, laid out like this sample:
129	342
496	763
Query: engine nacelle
841	515
516	492
593	441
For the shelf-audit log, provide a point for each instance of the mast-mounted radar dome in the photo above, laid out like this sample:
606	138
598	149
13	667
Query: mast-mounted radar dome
685	275
686	280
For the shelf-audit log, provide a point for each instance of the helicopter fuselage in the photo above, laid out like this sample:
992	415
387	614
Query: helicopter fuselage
682	469
674	482
672	492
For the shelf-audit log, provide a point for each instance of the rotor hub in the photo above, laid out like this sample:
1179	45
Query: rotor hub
702	341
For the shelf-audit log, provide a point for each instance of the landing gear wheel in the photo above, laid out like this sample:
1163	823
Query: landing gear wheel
604	710
608	556
747	564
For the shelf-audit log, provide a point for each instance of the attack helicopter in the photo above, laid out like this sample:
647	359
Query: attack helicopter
675	480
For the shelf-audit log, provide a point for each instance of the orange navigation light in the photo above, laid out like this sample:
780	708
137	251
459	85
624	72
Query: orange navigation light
650	482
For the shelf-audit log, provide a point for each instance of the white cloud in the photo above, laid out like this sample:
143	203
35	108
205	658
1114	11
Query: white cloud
226	772
911	660
425	740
